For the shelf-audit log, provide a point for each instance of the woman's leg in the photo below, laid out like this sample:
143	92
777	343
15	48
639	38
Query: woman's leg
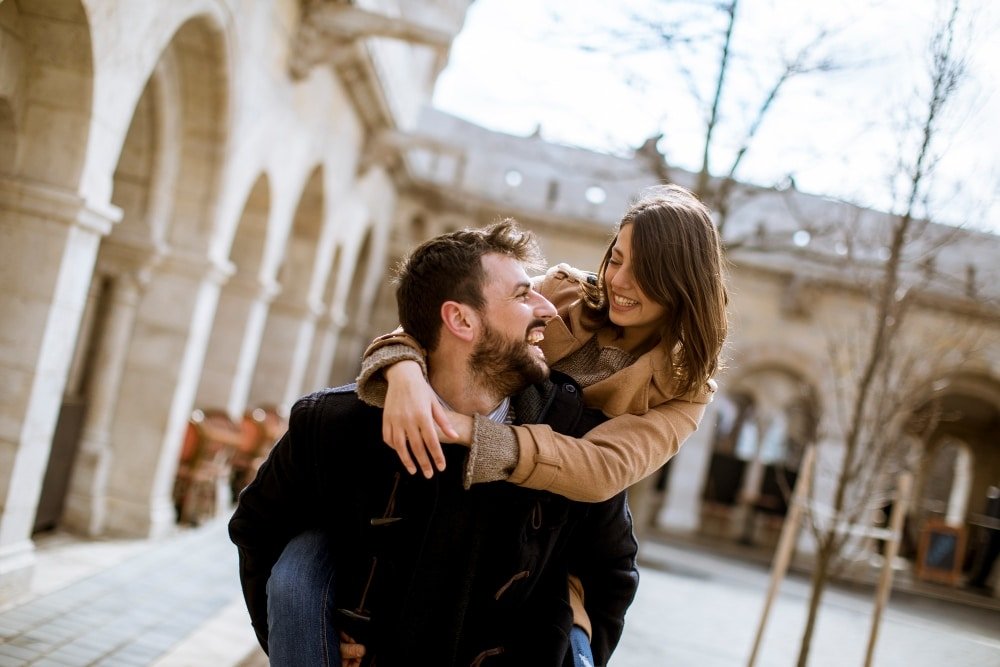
580	645
300	604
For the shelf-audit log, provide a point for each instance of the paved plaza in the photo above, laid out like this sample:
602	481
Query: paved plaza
177	603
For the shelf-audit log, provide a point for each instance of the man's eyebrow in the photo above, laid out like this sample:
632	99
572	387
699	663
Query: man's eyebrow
524	284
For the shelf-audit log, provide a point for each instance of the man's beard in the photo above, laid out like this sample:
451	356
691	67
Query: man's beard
504	366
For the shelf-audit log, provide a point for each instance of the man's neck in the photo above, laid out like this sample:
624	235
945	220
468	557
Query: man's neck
456	385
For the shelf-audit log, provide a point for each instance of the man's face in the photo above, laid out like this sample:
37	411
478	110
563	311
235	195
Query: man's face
507	356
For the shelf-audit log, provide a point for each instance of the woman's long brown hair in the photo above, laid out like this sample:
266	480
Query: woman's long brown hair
677	255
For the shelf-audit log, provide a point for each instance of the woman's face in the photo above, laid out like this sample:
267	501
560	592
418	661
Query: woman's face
629	307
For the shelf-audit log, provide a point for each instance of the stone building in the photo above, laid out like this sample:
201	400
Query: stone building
189	216
200	203
800	279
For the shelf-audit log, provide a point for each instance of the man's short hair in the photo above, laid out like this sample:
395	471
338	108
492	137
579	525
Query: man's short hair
449	267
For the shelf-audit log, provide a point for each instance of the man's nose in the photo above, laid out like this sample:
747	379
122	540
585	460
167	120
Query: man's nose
544	308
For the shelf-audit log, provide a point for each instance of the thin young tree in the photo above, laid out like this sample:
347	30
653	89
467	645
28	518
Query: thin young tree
877	374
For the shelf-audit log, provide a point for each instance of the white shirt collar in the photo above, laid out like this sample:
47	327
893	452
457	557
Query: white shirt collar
499	414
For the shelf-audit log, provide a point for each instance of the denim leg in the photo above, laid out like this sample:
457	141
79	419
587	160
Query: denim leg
580	645
300	605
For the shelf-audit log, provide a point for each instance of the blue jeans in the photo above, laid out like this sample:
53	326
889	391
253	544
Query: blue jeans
580	645
301	608
300	605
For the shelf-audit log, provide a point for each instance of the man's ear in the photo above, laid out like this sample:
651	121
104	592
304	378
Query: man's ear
459	319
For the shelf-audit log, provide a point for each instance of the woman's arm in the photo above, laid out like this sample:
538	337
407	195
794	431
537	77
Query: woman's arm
607	460
380	355
394	376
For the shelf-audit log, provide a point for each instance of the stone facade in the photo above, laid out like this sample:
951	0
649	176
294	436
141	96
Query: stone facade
801	270
201	202
189	218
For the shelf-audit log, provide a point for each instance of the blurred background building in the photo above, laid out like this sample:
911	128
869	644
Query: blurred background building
201	203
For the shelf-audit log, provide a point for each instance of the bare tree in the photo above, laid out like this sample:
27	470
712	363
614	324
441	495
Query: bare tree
883	365
700	29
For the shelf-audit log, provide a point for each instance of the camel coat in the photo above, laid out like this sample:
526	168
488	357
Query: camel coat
649	420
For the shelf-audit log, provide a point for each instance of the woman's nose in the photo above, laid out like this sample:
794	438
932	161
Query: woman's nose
622	278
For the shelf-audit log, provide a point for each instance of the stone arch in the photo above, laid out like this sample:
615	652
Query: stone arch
958	427
242	310
783	355
157	292
49	67
287	336
199	51
762	392
765	418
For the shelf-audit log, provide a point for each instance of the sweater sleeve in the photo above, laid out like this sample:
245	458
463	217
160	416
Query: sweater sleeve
609	458
493	453
381	353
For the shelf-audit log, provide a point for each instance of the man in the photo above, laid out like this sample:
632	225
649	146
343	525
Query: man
419	570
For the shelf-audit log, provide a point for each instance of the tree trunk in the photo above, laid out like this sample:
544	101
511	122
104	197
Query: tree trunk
819	581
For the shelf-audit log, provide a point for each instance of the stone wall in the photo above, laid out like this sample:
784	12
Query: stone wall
187	221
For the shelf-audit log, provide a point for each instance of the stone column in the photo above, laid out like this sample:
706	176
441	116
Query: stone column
239	394
350	345
50	239
131	267
300	352
325	349
234	344
681	511
284	352
158	387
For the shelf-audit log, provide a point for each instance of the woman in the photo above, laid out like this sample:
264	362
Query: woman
643	338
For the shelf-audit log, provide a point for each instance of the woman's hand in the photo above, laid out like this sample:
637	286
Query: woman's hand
412	411
462	427
351	652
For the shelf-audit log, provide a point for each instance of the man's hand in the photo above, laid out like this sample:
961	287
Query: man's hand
411	418
351	652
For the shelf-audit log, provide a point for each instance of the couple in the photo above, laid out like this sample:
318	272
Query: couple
417	569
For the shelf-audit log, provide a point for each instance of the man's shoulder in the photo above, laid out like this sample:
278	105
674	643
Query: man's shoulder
333	403
558	402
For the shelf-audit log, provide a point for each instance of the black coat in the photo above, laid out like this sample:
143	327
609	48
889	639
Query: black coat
460	574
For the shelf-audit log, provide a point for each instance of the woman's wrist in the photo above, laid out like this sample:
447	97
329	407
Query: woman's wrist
401	368
464	425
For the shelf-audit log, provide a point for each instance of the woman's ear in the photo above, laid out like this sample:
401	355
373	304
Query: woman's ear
460	320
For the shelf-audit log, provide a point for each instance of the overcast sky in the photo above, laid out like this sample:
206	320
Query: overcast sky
514	68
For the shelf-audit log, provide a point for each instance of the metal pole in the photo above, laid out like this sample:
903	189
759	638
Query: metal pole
786	543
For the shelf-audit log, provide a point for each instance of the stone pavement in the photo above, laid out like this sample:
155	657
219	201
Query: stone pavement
129	603
176	603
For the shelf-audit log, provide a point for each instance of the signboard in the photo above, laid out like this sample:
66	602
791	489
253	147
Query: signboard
940	553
